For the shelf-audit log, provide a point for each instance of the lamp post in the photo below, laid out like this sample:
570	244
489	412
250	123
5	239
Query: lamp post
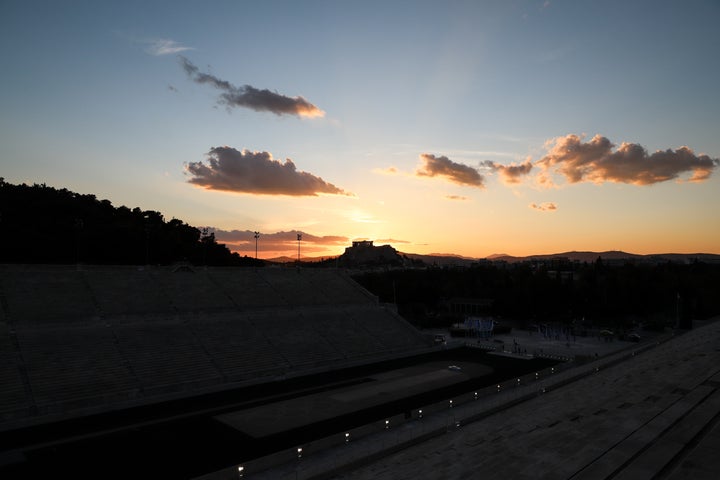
299	237
257	235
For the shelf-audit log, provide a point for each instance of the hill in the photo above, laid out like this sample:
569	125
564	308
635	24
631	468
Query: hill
616	255
42	224
573	256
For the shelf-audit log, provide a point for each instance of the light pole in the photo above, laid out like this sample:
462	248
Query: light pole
299	237
257	235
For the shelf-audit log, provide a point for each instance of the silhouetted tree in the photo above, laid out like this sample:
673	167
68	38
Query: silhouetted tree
42	224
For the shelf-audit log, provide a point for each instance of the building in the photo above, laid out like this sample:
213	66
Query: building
363	253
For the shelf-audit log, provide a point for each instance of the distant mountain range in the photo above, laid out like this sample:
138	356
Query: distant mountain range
448	259
610	255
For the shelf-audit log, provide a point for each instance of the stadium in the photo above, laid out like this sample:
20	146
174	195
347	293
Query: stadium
193	372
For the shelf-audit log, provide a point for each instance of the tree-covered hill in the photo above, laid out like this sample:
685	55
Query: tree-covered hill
41	224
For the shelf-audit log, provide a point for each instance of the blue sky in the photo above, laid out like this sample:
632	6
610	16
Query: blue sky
413	96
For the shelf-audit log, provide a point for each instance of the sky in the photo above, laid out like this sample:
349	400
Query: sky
472	128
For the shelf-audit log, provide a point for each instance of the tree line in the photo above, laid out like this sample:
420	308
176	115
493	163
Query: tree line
591	293
42	224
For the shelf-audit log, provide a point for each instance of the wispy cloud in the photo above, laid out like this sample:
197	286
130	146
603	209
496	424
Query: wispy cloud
250	97
380	241
544	207
165	46
361	216
455	197
597	161
231	170
442	166
387	171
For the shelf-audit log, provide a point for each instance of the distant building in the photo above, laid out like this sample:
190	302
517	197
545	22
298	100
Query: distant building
363	253
469	306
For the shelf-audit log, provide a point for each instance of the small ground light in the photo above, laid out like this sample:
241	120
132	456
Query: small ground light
475	395
536	375
420	413
387	424
299	452
518	381
552	369
451	404
241	470
347	437
498	387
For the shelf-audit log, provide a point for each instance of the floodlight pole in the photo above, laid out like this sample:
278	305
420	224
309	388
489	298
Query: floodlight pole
257	235
299	237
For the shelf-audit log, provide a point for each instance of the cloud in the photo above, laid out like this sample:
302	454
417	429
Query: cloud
456	197
251	97
277	243
512	173
387	171
544	207
380	241
361	216
595	161
458	173
230	170
165	46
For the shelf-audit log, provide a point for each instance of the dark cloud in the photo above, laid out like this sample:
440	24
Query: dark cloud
544	207
510	173
251	97
243	241
595	161
230	170
433	166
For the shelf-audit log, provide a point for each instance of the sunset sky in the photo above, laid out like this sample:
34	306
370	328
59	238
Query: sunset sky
473	128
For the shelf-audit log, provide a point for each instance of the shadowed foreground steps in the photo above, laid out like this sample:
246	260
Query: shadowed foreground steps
652	415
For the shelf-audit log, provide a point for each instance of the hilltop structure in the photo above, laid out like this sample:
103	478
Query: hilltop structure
363	253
